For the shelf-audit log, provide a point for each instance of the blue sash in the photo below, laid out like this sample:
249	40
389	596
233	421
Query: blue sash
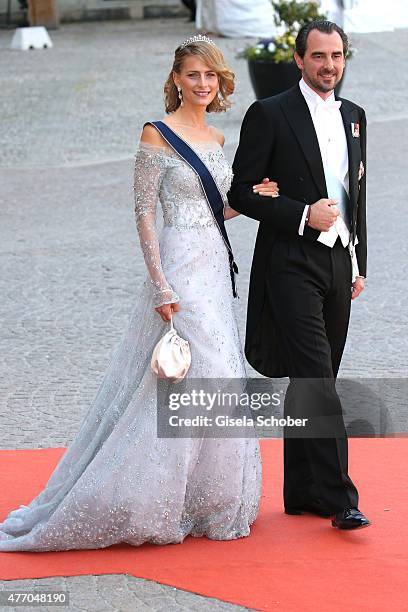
210	188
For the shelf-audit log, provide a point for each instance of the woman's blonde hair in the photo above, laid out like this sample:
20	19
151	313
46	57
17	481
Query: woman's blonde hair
213	57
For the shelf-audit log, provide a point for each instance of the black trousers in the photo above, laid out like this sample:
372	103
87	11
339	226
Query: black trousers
308	290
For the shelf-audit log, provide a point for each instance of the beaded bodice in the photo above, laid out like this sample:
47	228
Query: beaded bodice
161	175
179	191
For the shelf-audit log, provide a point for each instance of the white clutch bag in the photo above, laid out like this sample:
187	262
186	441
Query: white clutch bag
171	356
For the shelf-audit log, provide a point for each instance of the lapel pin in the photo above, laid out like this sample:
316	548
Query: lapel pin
355	130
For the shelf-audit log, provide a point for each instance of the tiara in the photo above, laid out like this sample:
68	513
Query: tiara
197	38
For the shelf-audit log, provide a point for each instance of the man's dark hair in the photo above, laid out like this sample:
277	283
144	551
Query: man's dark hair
327	27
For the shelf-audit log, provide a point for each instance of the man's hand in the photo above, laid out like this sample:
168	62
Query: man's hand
167	310
267	188
357	287
323	214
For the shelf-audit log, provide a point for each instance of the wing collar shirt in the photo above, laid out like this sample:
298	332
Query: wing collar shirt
329	127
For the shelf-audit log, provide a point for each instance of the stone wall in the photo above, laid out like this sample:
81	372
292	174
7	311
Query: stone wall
93	10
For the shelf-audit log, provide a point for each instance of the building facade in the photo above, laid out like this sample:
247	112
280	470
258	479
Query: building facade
90	10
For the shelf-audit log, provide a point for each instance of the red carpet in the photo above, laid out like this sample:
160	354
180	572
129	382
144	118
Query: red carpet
288	563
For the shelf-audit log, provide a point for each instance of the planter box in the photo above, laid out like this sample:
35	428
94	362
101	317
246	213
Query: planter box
269	79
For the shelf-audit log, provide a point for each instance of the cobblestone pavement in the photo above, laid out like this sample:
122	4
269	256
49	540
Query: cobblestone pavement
71	266
116	592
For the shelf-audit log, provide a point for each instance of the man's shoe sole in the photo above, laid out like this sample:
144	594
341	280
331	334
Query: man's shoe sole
351	528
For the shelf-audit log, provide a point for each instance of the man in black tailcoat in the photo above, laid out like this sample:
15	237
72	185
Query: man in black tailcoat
309	260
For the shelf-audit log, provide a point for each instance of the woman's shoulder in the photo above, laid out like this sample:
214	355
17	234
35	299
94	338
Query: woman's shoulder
151	136
152	142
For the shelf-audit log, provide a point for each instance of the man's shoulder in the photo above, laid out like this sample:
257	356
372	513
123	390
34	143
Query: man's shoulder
273	103
276	101
350	105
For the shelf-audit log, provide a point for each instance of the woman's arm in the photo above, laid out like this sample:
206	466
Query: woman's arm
149	170
266	188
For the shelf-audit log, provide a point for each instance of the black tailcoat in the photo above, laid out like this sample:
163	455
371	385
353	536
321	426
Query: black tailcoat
278	141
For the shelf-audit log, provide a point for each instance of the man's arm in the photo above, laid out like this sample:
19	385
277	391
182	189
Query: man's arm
361	248
250	166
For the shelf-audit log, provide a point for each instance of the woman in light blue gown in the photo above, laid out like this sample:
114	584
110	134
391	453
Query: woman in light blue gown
118	481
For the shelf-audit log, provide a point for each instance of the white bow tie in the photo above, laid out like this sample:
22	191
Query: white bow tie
328	106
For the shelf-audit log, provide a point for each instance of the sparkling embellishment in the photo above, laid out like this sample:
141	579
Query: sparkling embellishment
117	481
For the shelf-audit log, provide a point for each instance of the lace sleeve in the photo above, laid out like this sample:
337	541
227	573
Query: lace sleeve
148	175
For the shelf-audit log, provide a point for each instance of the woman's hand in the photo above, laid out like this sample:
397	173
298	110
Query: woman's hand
167	310
267	188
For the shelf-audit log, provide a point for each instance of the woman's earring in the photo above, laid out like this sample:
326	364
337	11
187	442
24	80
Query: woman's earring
220	98
180	95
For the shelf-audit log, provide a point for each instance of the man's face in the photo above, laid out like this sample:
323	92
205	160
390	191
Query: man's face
323	64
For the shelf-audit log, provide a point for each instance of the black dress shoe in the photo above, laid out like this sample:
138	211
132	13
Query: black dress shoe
311	508
351	518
